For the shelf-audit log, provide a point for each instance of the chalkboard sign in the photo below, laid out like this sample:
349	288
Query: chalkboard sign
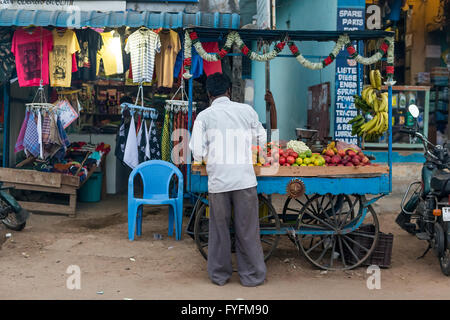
348	74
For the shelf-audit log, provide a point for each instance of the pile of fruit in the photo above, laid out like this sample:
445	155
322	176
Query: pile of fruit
273	154
372	102
344	157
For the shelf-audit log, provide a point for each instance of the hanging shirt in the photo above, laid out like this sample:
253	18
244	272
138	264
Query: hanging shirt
111	53
65	44
131	148
165	60
211	67
90	43
31	48
196	64
6	57
142	45
229	164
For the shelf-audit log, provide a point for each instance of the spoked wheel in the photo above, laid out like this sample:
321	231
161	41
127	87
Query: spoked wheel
269	228
327	240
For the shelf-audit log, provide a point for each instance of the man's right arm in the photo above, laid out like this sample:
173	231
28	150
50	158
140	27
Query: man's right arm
197	144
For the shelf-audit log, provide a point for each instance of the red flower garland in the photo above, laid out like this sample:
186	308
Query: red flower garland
245	50
384	47
390	69
223	53
193	35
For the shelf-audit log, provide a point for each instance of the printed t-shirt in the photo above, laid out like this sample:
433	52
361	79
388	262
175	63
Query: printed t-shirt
142	46
31	48
110	53
211	67
90	43
165	60
65	44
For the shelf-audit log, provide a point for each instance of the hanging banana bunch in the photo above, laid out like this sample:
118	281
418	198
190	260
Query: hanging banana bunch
373	102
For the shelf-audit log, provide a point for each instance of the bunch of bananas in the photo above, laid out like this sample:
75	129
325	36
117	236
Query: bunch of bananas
371	102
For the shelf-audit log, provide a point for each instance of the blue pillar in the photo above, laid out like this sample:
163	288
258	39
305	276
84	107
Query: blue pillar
6	117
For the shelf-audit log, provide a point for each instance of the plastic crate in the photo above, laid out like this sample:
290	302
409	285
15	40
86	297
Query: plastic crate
381	255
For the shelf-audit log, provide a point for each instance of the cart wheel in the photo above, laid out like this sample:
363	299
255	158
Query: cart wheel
269	228
292	208
327	244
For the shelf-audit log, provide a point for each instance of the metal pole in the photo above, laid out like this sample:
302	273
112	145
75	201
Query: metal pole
6	117
188	173
390	136
268	119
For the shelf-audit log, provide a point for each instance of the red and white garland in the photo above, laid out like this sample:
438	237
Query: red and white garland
191	39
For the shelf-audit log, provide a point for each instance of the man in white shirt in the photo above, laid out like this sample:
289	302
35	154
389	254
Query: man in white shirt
223	135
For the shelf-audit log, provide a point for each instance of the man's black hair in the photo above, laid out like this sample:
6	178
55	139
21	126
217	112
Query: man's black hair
217	84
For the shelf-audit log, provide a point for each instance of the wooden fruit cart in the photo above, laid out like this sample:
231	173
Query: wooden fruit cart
328	214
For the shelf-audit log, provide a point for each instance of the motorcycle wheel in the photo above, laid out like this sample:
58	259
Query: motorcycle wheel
444	261
11	222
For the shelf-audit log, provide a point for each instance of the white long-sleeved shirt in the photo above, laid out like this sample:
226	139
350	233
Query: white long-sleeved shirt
223	135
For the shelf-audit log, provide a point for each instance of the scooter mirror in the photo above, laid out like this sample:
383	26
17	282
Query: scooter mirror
413	110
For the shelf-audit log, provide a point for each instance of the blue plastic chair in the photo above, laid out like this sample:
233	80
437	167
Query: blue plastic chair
156	176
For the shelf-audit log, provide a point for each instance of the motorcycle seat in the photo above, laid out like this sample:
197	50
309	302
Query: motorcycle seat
439	182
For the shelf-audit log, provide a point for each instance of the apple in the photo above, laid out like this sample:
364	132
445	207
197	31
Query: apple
294	154
336	159
356	161
349	164
340	165
286	164
351	153
341	153
327	159
329	153
365	160
282	160
290	159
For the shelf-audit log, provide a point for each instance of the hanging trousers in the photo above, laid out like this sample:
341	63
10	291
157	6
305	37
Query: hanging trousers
249	254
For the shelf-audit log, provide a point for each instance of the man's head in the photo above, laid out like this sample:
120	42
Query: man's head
218	85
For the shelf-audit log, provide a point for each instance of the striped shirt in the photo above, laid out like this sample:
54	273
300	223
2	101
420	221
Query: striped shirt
142	45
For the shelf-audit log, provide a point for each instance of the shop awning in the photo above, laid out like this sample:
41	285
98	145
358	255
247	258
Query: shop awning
295	35
61	18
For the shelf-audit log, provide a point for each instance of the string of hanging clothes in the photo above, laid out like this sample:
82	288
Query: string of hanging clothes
136	142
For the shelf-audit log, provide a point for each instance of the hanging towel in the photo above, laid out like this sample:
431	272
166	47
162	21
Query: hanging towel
155	147
131	149
39	130
46	128
165	149
147	141
141	142
62	134
31	138
54	133
19	143
121	138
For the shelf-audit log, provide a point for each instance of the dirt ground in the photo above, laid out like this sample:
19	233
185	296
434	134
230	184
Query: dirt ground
33	263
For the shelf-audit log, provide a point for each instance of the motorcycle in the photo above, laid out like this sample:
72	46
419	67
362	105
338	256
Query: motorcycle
12	215
429	203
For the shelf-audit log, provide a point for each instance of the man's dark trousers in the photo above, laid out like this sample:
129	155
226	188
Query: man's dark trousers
249	254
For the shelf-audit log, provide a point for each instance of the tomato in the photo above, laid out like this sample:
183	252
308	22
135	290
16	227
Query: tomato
290	159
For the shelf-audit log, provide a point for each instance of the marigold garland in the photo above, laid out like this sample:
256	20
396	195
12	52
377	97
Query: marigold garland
191	39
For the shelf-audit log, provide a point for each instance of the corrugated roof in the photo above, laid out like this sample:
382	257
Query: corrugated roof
60	18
